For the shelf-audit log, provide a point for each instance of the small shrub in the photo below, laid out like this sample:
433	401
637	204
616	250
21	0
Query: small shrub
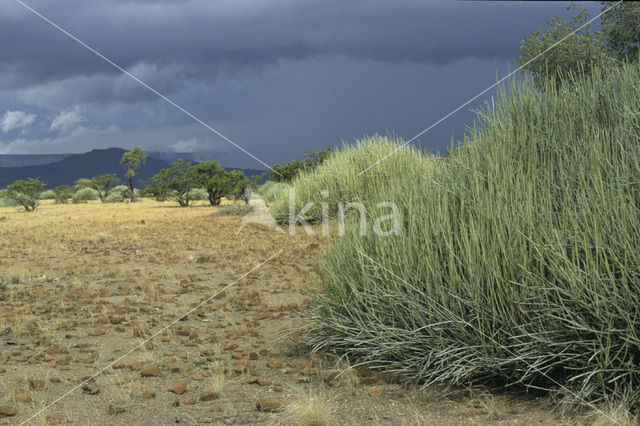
205	258
63	193
198	194
104	184
118	194
271	191
84	195
49	194
99	238
7	202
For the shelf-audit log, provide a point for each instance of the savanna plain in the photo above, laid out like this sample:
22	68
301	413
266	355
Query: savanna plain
86	283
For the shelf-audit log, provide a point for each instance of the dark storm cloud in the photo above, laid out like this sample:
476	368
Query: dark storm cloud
210	37
276	76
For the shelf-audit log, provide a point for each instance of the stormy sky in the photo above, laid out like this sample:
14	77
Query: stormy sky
276	77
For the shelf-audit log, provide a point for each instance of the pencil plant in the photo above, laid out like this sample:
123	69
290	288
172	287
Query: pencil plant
519	260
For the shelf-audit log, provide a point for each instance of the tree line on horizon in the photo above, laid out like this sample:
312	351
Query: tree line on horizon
182	181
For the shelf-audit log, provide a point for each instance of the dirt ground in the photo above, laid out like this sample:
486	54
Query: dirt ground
82	285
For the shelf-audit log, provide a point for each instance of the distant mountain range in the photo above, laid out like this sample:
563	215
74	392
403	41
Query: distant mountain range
19	160
60	169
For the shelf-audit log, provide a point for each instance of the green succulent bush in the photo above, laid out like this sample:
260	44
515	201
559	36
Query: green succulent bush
118	194
7	202
519	260
85	194
49	194
271	191
198	194
339	179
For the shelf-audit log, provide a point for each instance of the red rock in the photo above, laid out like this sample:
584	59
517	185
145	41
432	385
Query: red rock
375	393
237	355
190	401
56	419
274	363
303	363
53	349
116	410
208	396
264	382
22	395
116	319
6	411
95	333
183	330
148	394
178	388
90	389
331	376
37	384
369	380
216	407
150	371
268	405
135	365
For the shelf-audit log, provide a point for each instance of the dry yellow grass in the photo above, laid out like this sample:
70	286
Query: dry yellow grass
82	284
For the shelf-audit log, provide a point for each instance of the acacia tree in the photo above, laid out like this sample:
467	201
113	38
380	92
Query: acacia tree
104	184
25	192
210	176
621	28
81	184
63	193
575	54
132	160
285	172
239	186
219	183
176	181
618	40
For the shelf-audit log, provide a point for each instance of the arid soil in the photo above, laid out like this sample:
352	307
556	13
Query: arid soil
83	285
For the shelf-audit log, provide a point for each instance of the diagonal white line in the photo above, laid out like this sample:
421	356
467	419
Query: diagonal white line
487	89
142	83
102	370
490	338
